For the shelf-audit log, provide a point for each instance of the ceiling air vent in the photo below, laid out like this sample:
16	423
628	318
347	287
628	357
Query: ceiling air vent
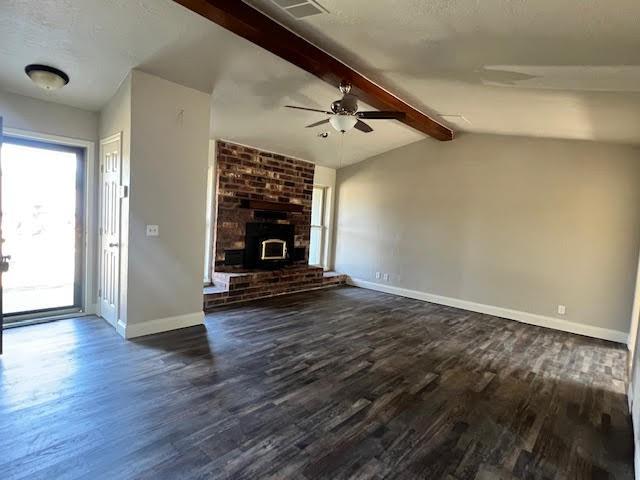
300	8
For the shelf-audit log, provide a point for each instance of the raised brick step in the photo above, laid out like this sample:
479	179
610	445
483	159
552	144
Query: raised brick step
334	278
250	285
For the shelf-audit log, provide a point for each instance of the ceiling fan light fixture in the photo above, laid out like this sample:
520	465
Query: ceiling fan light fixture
343	123
46	77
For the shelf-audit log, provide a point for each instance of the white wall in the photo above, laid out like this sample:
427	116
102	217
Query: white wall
634	398
169	160
26	113
635	319
324	176
518	223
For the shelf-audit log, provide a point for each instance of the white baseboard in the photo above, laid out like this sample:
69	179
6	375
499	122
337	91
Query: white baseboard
150	327
121	328
524	317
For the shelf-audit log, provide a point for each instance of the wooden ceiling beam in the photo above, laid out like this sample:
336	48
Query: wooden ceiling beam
251	24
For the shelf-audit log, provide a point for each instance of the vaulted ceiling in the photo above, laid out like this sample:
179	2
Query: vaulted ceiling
554	68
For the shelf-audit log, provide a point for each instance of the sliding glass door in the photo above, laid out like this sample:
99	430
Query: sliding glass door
42	199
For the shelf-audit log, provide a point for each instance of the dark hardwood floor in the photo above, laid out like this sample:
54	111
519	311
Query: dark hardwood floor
344	383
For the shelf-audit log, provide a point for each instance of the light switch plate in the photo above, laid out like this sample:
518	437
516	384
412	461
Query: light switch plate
153	230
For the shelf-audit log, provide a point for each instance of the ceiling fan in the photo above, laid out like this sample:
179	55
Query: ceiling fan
344	114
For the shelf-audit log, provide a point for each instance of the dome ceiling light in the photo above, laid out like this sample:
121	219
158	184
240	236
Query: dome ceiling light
343	123
46	77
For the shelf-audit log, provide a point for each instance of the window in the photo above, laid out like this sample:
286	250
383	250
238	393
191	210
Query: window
318	244
210	213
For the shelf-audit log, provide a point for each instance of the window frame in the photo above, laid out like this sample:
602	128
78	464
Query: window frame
210	215
322	227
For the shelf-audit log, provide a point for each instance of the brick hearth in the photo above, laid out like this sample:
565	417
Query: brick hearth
246	174
233	287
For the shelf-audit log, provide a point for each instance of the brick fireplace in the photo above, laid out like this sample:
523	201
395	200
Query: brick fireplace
261	197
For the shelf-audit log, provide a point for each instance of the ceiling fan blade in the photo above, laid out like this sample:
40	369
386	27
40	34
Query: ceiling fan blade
381	115
363	127
309	109
317	124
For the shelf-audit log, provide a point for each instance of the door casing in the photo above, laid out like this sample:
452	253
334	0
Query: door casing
103	142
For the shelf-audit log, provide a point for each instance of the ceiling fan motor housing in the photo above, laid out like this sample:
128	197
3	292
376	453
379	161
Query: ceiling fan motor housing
350	104
347	105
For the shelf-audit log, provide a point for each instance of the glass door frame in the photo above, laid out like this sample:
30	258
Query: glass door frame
80	216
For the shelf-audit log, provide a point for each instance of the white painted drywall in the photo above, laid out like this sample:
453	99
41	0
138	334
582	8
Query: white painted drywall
324	176
635	319
38	116
519	223
634	398
169	160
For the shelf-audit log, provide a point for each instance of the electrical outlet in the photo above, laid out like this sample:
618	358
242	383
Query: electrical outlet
385	277
377	275
562	309
153	230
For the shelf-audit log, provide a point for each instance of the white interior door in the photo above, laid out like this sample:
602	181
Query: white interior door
110	207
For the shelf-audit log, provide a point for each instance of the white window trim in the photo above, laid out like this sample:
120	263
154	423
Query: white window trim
211	211
327	219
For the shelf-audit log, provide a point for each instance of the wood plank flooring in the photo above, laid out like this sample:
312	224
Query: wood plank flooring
344	383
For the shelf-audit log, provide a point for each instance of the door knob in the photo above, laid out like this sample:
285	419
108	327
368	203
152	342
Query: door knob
112	245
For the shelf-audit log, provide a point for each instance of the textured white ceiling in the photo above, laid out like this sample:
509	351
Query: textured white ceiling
97	42
556	68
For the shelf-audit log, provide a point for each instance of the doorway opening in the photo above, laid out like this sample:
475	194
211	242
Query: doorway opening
43	191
